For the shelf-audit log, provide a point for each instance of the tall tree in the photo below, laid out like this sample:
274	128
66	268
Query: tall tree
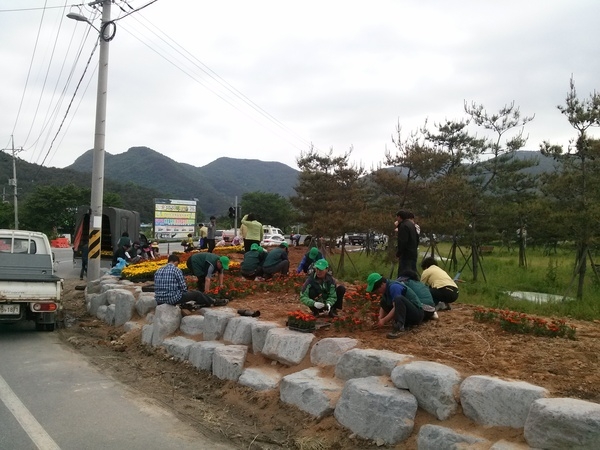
580	162
497	167
330	195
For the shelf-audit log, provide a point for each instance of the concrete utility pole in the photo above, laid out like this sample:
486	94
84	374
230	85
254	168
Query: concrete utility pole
107	32
99	142
13	182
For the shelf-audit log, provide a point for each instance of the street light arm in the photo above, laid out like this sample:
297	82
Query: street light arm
81	18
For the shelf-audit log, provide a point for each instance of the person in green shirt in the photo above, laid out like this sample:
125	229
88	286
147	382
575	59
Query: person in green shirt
254	231
277	261
410	278
320	293
204	266
251	266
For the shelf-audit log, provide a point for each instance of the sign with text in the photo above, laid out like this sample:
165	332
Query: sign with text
174	219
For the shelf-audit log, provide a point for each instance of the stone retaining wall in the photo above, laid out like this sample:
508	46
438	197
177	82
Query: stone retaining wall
374	393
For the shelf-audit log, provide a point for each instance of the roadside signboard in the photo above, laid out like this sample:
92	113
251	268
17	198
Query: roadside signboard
174	219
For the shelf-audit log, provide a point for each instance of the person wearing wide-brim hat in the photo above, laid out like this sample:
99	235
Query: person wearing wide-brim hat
320	293
251	266
204	266
394	306
277	261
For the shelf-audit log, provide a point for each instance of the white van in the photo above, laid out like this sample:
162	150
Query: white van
268	229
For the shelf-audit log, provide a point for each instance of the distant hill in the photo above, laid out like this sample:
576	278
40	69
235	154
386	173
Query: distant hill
214	185
545	164
29	176
142	174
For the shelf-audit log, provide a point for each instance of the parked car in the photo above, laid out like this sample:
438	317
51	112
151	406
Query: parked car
269	229
357	238
271	240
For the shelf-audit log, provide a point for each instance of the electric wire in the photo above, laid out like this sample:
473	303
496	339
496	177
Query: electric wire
224	90
70	103
45	7
223	95
135	10
217	78
29	70
51	118
41	96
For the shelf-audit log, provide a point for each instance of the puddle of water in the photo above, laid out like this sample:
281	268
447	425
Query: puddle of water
538	297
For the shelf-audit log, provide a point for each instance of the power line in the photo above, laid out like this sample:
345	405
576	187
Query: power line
29	71
49	121
68	107
45	81
230	90
38	9
222	95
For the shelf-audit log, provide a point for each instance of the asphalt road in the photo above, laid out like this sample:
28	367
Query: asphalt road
52	398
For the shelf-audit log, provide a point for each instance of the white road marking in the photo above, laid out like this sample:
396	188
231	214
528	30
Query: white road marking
32	427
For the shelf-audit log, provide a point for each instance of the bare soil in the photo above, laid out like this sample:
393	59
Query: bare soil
567	368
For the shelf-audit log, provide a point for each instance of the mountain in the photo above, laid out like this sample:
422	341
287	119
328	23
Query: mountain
142	174
214	185
29	176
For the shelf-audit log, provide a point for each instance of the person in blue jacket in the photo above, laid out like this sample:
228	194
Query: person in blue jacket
312	256
394	305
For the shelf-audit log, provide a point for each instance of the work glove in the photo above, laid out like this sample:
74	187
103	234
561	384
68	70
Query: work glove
319	305
328	307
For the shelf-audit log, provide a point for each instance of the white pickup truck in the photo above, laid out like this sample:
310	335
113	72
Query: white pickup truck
29	289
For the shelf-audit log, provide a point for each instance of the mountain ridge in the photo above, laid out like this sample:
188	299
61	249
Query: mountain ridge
215	185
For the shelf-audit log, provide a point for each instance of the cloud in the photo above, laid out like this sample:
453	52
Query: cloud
265	80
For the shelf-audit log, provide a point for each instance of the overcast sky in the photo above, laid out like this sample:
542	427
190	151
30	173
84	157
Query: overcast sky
197	80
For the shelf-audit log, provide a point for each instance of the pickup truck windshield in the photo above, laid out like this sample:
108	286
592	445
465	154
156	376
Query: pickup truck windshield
20	246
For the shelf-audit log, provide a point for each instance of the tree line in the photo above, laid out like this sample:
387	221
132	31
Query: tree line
463	180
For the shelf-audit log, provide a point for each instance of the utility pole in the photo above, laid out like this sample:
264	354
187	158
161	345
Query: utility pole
13	182
95	237
235	223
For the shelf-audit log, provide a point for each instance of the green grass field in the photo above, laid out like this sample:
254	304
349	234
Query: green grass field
549	273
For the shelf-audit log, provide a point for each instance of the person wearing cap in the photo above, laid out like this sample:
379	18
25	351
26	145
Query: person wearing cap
408	242
394	306
204	266
170	287
320	293
443	288
277	261
254	231
308	260
251	266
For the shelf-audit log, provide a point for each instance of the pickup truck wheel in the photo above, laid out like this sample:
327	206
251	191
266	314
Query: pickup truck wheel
49	327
